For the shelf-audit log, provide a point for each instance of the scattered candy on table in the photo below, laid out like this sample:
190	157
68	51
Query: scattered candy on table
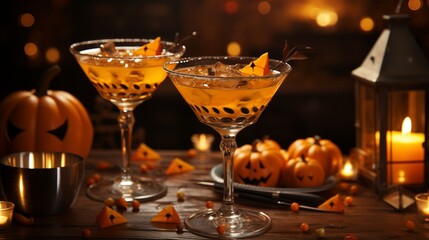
334	203
304	227
86	233
209	204
178	166
109	217
121	203
145	153
294	207
167	215
180	196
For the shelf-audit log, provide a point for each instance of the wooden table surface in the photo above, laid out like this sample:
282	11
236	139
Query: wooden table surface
367	218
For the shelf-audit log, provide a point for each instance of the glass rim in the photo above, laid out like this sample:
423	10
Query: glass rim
73	48
273	62
9	205
419	196
19	159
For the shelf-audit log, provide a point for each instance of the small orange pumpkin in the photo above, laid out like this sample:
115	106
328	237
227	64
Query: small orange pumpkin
261	168
323	150
266	143
302	172
44	120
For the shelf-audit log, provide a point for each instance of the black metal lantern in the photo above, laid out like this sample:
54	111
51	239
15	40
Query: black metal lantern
392	109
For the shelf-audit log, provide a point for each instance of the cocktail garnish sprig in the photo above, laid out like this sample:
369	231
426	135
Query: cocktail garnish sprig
261	66
298	52
178	41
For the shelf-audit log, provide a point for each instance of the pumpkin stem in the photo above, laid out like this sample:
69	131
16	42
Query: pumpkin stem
317	139
303	158
45	80
266	137
254	145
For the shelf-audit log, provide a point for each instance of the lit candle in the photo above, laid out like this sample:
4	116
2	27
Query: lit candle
405	146
422	200
202	142
426	209
3	220
6	213
349	171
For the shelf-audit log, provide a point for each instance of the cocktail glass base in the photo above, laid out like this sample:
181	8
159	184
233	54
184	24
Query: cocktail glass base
244	224
136	189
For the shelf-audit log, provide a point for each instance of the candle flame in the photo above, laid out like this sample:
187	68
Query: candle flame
406	126
348	167
347	170
202	142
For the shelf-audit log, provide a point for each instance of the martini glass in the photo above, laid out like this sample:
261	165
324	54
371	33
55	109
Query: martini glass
125	79
228	102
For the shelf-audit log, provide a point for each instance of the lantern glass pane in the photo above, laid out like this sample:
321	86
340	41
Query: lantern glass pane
365	122
405	137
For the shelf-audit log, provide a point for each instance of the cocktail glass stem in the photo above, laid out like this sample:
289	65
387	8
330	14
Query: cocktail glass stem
228	214
228	146
126	122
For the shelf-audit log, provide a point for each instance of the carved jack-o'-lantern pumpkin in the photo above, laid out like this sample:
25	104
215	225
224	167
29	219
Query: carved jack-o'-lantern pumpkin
266	143
261	168
302	172
324	151
44	120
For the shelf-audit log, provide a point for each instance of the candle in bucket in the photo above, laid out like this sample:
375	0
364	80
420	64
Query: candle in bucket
6	213
422	200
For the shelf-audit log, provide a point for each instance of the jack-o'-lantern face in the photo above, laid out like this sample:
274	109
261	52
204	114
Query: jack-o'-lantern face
44	120
13	131
309	175
255	172
26	130
303	172
258	168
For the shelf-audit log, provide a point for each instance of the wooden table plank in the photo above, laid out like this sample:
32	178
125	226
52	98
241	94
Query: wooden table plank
367	218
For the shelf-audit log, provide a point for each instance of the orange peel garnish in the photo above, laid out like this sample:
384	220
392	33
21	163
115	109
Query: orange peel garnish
150	49
259	67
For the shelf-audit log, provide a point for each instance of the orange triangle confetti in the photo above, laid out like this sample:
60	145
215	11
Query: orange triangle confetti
167	215
145	153
178	166
109	217
150	49
259	67
334	203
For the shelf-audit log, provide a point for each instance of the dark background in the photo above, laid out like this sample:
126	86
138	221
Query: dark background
317	97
